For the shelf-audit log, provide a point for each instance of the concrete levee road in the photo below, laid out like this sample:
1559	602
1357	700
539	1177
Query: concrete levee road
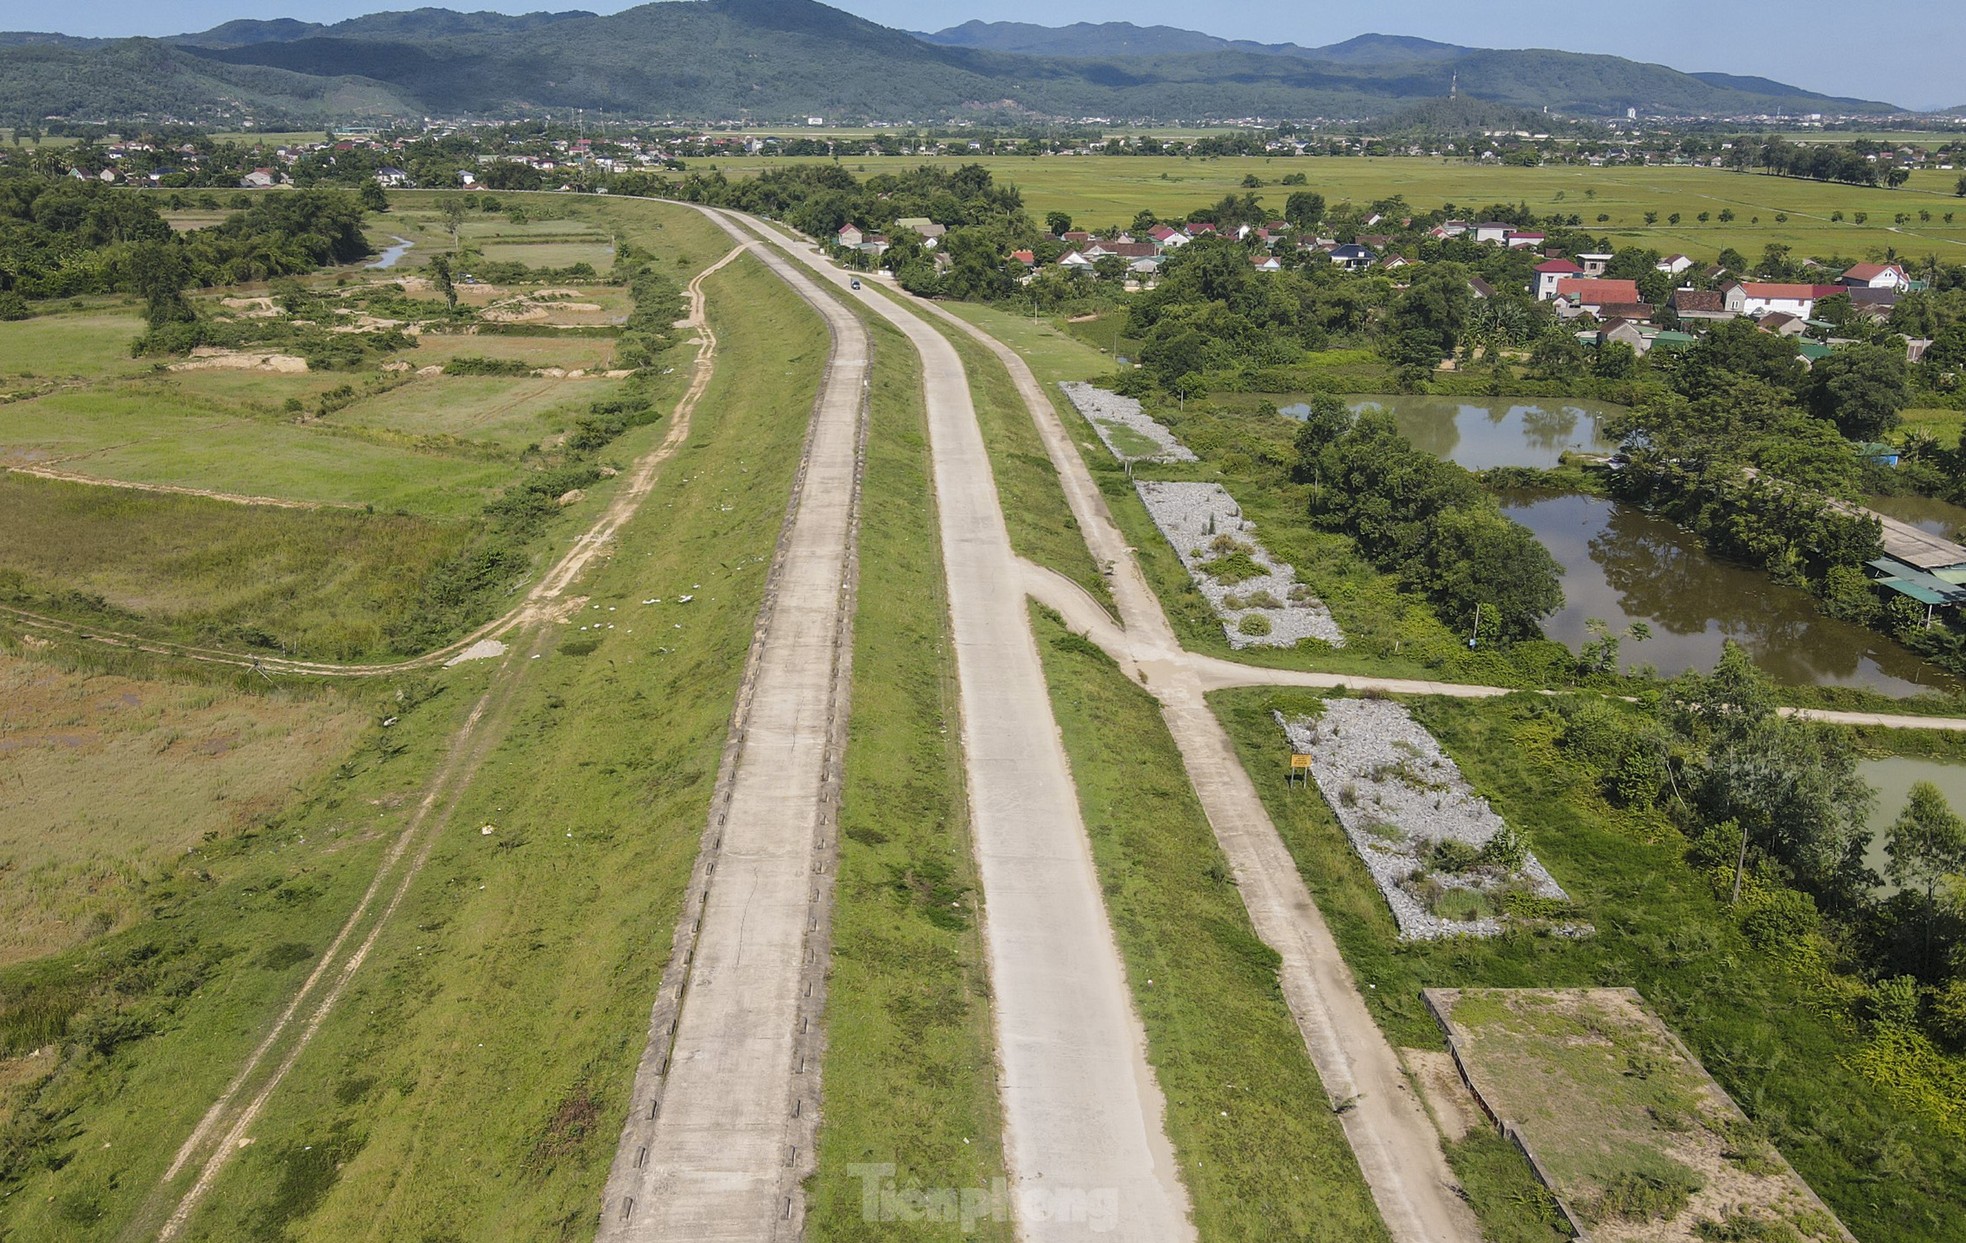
715	1144
1397	1147
1084	1138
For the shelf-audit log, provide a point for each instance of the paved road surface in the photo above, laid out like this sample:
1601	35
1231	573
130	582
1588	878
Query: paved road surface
714	1147
1397	1147
1084	1139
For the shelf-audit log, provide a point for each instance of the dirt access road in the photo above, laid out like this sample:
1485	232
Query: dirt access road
1084	1140
718	1135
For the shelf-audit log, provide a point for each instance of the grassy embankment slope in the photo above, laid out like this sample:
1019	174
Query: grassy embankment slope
909	1046
524	941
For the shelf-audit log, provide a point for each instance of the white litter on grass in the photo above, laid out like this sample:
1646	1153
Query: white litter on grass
684	599
1398	795
1106	411
483	649
488	830
1195	517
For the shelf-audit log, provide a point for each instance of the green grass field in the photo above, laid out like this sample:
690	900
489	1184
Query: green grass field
106	780
909	1046
1098	191
150	431
508	413
522	966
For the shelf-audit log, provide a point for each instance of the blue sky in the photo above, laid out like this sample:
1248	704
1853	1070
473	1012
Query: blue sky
1905	51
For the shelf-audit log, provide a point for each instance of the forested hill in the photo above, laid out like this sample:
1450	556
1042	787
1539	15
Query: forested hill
782	60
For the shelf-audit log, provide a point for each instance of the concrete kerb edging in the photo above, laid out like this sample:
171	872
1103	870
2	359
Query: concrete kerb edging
1439	1001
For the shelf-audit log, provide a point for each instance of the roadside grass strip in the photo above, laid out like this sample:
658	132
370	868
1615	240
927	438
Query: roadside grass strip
1129	432
1446	863
1258	598
910	1137
1041	525
1259	1145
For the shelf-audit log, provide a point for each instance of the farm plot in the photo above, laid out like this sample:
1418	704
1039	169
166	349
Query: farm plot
1258	598
1640	1144
1130	433
148	434
1446	863
506	412
106	781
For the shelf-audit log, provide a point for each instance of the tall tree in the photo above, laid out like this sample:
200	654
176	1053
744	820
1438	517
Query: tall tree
1926	844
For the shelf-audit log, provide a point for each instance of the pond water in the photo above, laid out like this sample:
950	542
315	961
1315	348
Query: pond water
1622	565
393	255
1933	517
1484	434
1893	779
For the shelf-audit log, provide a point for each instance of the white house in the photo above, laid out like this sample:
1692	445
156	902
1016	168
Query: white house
1673	265
1761	298
1594	264
1493	233
1877	276
850	236
1553	273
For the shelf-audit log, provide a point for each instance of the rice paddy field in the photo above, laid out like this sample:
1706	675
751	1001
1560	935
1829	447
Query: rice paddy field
1097	191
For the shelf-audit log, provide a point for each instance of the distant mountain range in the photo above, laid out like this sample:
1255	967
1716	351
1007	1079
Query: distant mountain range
785	60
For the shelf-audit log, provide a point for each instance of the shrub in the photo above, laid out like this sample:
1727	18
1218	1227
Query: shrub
13	307
1453	857
1254	624
1779	916
471	364
1236	567
1505	852
1655	1196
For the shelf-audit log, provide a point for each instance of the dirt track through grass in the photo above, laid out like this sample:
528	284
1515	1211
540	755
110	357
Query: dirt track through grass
217	1137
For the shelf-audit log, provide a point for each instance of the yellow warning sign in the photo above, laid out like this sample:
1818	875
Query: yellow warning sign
1300	761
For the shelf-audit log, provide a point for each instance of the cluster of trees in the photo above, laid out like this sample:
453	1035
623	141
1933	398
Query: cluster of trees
1427	520
1856	164
1750	451
60	237
1776	813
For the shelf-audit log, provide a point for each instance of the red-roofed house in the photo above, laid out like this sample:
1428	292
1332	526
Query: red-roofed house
1028	258
1550	274
1594	296
1877	276
850	236
1168	237
1527	240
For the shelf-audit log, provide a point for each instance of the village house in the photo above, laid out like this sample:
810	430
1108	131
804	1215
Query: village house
1877	276
850	236
1527	240
931	232
1492	233
1576	297
1353	257
1700	304
1552	273
1594	263
1674	265
1759	298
